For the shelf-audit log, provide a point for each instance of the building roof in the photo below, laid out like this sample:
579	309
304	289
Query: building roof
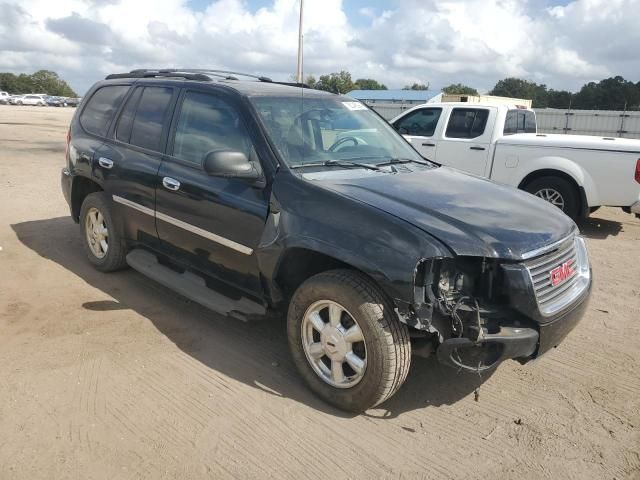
397	95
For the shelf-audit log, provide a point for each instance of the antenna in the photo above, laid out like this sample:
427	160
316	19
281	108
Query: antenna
299	69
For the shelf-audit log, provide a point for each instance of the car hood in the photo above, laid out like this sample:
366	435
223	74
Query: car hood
469	214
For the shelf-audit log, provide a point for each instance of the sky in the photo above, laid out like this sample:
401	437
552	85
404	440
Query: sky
561	43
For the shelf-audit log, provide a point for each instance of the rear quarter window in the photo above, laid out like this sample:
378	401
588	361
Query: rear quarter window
519	121
99	110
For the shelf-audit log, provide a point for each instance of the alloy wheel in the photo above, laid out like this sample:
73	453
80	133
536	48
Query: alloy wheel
97	233
334	344
552	196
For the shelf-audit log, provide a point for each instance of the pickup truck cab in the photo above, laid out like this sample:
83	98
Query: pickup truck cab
576	173
255	199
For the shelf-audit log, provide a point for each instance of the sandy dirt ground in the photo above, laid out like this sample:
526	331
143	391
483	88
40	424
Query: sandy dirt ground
111	376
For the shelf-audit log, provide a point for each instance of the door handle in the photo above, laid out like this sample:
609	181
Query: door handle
426	144
171	183
105	163
477	148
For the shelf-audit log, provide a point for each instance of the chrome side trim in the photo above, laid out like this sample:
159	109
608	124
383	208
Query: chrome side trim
186	226
134	205
204	233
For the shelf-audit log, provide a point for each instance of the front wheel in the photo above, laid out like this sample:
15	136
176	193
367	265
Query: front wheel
557	191
346	340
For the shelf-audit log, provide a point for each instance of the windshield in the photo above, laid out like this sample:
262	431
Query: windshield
315	130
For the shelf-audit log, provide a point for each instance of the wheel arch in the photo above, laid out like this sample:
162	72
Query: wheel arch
80	188
581	192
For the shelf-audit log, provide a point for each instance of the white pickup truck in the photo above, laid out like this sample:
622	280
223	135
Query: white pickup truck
576	173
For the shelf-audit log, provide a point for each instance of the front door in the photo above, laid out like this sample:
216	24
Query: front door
419	128
213	223
466	141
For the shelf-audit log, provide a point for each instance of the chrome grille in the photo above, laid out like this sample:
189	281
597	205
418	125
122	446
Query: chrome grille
552	298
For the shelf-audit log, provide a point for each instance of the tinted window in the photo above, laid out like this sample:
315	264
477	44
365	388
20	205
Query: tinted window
520	121
208	123
146	131
96	115
123	130
421	122
467	123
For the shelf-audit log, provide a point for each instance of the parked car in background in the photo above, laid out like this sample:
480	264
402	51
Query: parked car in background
73	102
255	199
32	100
13	99
55	101
4	98
576	173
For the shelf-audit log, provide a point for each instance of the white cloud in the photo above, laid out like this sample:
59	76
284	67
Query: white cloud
439	41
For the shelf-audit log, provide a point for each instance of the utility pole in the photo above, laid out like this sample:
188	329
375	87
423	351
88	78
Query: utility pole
299	70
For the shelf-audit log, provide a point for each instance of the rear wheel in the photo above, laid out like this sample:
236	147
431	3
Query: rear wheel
346	340
104	247
558	192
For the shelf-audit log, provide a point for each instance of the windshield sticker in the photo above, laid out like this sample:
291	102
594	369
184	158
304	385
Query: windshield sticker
354	105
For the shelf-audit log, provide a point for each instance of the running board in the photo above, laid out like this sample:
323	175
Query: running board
193	287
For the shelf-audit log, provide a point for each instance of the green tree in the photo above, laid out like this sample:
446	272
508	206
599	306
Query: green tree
369	84
42	81
417	86
459	89
613	93
335	82
518	88
310	81
559	98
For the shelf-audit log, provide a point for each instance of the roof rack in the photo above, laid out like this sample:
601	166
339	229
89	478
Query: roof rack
226	72
144	73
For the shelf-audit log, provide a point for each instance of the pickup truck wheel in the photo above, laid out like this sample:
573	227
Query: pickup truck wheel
103	245
558	192
346	340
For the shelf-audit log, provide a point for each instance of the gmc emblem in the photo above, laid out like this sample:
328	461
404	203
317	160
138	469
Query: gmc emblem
561	273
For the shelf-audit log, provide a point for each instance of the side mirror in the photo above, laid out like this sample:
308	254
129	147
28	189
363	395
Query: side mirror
230	164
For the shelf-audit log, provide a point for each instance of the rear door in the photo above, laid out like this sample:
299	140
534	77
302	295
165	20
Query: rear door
128	161
420	128
466	139
212	223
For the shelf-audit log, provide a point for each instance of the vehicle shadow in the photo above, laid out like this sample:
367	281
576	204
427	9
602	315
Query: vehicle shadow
599	228
254	353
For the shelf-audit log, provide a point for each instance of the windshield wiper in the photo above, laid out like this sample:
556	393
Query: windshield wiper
397	161
337	163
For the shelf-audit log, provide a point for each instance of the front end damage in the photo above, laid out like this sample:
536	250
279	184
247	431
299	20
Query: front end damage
477	312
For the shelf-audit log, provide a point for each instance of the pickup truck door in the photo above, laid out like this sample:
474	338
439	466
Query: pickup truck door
466	140
420	128
212	224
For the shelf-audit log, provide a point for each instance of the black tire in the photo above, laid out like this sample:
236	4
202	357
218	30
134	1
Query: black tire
388	349
115	257
563	187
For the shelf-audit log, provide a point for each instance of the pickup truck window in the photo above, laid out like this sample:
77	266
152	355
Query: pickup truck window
146	131
208	123
96	116
421	122
467	122
519	121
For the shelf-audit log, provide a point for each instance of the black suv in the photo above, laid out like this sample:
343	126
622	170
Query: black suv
254	197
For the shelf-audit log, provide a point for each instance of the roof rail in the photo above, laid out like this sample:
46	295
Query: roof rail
226	72
150	73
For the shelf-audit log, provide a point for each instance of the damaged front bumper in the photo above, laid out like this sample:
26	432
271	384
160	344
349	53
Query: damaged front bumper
518	343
